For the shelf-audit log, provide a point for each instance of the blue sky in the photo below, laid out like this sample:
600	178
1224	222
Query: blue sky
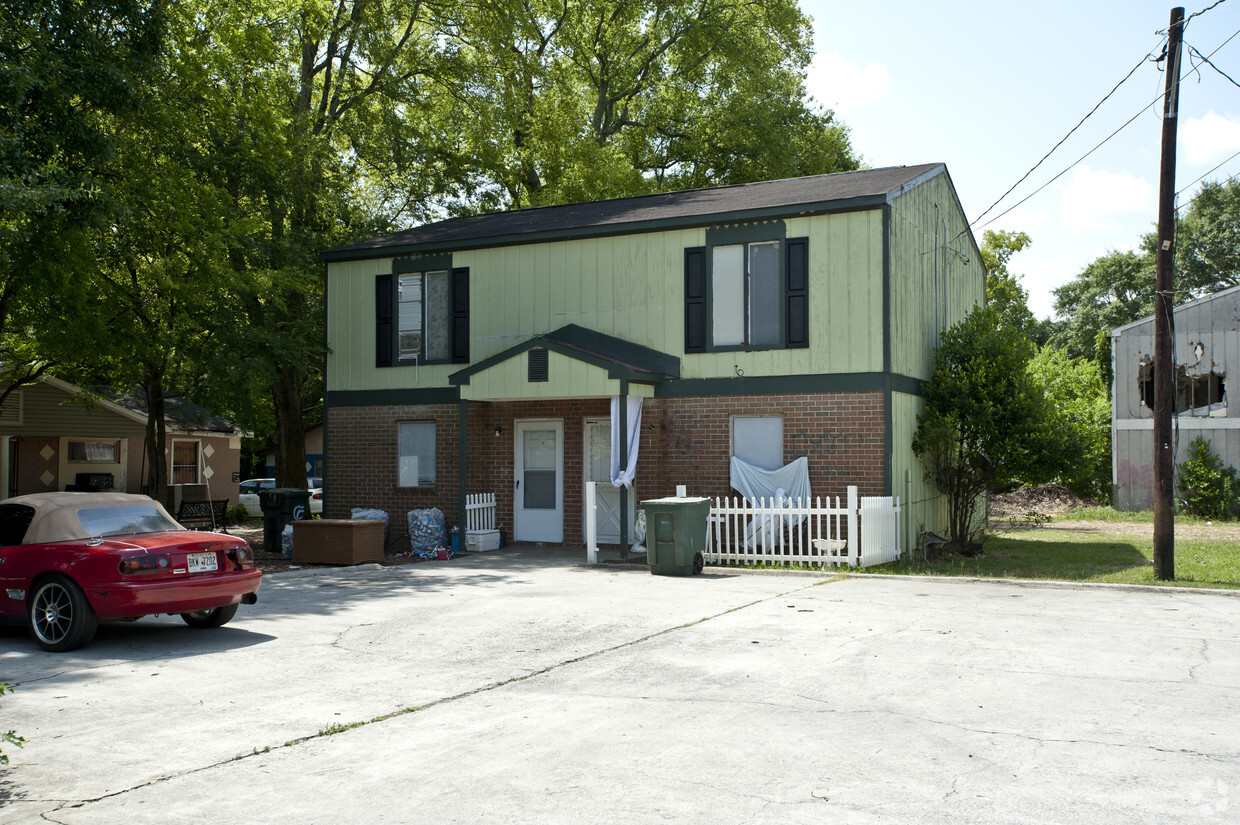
990	87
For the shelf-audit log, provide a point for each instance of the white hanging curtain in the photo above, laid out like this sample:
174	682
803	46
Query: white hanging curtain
624	477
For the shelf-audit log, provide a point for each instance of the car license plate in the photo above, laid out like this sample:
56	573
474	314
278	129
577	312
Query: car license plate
201	562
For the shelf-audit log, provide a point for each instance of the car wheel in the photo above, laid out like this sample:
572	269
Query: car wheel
60	616
215	617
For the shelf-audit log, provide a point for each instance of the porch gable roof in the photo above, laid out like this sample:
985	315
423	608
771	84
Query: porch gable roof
620	359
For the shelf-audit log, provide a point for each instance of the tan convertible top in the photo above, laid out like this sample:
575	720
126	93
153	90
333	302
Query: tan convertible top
55	514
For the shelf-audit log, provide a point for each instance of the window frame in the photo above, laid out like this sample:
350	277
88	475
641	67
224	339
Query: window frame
172	462
423	481
732	438
792	286
388	311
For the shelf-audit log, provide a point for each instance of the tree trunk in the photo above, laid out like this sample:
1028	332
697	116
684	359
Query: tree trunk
156	440
290	434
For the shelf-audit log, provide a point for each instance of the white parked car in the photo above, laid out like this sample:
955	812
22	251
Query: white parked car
249	494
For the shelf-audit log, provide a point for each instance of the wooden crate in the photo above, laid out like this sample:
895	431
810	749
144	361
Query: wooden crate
337	541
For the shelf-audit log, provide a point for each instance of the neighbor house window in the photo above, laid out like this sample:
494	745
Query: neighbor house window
94	452
185	462
422	313
417	453
748	294
759	440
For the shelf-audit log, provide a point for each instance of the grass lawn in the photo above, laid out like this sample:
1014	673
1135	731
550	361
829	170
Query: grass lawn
1098	545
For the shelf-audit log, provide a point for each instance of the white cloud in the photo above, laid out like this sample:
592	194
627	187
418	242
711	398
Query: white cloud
1095	200
1209	139
843	85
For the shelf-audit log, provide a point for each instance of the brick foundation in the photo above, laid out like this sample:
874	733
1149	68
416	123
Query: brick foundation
683	441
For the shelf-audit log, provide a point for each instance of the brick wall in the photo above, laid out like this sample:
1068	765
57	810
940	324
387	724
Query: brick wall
683	441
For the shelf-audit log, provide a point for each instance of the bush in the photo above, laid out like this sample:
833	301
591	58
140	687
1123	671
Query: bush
236	514
1208	488
8	737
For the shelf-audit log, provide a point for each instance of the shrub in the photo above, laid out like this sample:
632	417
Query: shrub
1208	488
8	737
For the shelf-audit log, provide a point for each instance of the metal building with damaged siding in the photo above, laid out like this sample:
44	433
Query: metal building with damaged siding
1206	351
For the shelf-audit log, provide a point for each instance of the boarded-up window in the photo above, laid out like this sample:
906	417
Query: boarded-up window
759	440
416	446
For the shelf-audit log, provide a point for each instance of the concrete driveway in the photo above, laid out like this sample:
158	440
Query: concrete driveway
517	686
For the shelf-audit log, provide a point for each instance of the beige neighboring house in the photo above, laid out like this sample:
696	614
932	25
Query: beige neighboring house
57	436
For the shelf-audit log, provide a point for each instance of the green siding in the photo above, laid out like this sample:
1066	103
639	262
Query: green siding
567	378
925	508
47	411
961	277
630	287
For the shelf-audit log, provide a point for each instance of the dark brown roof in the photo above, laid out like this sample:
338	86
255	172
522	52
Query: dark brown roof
696	207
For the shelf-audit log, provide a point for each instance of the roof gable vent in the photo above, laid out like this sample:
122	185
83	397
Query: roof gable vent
538	371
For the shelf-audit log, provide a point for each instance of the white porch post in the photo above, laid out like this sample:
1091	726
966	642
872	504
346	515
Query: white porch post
591	525
854	530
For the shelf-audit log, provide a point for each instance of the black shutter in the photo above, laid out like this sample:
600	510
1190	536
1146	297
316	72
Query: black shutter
695	299
384	335
796	295
460	315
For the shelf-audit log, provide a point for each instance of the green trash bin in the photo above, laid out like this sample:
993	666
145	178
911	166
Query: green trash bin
676	535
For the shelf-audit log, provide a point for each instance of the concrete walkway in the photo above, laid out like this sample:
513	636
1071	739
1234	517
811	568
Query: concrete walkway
518	686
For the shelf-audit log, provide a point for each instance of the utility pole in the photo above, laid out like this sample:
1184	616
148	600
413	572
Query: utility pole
1164	326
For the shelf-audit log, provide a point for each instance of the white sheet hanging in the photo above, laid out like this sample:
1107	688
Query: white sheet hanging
788	482
634	409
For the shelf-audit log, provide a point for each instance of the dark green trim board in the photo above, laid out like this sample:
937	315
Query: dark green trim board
746	233
461	455
383	398
682	388
888	420
422	263
789	384
587	233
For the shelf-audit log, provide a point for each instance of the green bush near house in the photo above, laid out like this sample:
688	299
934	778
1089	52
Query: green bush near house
1208	488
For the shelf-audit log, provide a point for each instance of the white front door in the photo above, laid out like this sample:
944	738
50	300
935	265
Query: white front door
538	497
597	449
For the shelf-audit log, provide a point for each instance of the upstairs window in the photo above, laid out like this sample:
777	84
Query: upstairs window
748	294
422	313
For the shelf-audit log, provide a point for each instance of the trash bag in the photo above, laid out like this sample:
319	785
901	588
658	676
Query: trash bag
427	530
639	534
374	515
286	541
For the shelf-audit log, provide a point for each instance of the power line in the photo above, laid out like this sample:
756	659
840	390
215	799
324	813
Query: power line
1212	171
1061	140
1104	140
1203	11
1194	53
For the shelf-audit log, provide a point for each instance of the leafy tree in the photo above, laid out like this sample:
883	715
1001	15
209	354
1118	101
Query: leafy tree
65	68
1114	290
1207	246
1003	289
985	423
1079	409
1208	488
565	102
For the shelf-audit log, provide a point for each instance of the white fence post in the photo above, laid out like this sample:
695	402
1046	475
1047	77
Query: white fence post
591	525
854	534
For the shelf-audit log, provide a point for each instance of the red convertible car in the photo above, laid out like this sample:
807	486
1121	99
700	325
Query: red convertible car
69	561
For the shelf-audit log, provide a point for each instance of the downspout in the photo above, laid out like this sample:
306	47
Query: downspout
937	324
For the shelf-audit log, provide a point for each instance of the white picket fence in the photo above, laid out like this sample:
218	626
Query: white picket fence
863	531
479	511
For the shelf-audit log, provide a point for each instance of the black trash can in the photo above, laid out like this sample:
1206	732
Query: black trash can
281	506
676	535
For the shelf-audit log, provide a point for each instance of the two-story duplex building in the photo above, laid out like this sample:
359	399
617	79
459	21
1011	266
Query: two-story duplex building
768	321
